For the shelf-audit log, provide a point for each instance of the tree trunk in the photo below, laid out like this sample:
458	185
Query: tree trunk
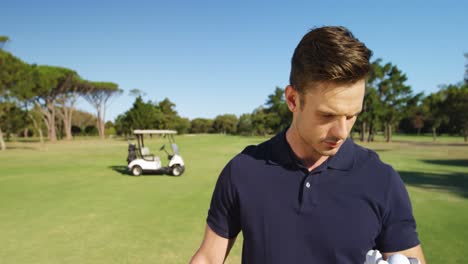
370	137
52	130
465	134
102	123
389	133
103	129
434	134
37	127
52	127
99	123
48	113
66	121
25	132
66	113
419	131
386	131
2	141
363	131
69	124
67	128
98	126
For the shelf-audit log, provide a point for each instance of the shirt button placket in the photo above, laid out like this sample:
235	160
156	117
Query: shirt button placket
310	190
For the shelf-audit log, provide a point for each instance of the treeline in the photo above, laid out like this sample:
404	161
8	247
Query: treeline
265	120
389	105
40	99
45	96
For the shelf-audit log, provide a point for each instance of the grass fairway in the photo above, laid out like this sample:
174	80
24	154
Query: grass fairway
71	202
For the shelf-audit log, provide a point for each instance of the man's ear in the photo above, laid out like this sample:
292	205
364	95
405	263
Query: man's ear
292	98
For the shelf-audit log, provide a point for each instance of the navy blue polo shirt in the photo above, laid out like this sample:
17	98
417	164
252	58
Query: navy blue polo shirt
335	213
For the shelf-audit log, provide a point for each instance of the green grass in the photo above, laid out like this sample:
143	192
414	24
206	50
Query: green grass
71	202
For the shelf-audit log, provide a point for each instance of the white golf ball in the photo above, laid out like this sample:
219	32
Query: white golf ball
398	259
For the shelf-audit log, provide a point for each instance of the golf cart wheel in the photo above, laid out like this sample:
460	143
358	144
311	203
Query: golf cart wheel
177	170
137	170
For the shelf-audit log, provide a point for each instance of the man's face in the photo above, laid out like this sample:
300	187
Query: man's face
326	116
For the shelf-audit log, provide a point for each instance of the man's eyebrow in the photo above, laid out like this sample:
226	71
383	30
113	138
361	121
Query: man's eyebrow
330	112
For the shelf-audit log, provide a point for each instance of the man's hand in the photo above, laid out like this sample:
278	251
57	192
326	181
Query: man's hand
374	257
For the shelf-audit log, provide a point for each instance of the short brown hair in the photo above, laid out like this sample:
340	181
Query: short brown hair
329	54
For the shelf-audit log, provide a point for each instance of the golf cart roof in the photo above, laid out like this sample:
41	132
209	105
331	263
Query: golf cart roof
153	132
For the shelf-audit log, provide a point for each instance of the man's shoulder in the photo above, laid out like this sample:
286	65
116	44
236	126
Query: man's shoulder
365	157
257	152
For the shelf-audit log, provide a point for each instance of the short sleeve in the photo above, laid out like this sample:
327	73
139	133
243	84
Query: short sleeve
398	225
223	215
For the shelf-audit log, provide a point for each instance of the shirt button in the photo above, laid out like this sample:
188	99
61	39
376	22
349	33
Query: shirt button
307	184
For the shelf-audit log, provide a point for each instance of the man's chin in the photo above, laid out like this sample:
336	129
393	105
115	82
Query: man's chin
329	151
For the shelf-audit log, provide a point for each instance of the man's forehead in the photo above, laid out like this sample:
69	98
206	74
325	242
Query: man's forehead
337	100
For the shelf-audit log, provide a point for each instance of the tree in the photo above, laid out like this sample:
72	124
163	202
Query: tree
141	116
98	95
182	125
168	115
276	105
66	99
82	119
394	95
13	78
417	121
3	41
13	120
456	101
466	69
226	124
49	82
201	125
244	126
136	92
262	122
434	111
36	118
372	107
369	117
122	125
413	116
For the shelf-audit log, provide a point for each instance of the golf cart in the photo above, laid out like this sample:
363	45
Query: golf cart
140	160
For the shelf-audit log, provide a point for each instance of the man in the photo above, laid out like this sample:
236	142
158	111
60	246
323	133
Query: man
309	194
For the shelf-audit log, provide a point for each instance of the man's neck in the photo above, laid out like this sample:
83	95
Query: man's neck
305	153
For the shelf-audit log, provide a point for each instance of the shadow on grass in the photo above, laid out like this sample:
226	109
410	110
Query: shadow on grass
24	147
379	150
429	143
123	171
451	162
456	183
120	169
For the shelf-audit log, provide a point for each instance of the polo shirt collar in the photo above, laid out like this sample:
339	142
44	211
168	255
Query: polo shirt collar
282	154
344	158
280	151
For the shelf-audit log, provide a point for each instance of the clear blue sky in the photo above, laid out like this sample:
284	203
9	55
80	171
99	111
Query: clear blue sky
215	57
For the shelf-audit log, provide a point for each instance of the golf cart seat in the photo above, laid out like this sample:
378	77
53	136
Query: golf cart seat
145	152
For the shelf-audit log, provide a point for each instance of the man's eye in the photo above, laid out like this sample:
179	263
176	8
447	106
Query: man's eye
349	117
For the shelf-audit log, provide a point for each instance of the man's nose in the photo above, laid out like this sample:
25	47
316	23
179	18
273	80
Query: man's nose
340	128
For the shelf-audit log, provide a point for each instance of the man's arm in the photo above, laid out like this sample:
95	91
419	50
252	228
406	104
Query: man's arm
214	248
414	252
